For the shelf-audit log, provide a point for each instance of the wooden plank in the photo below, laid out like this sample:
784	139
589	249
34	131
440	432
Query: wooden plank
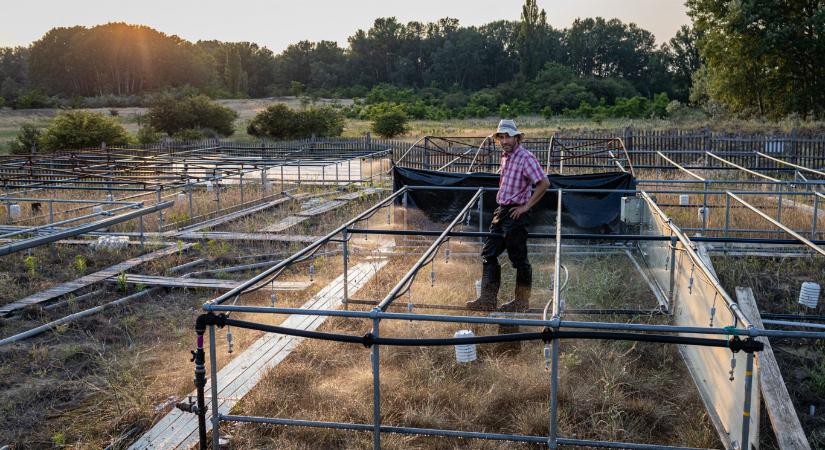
322	208
71	286
358	194
232	236
209	283
287	222
248	211
784	420
178	430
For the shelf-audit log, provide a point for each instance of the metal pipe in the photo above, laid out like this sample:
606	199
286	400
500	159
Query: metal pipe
81	229
744	169
450	433
274	269
688	248
72	317
433	248
770	219
213	371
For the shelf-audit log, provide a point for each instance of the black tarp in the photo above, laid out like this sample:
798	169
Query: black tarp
586	211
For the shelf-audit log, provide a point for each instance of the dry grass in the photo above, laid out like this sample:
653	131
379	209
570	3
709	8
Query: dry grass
614	390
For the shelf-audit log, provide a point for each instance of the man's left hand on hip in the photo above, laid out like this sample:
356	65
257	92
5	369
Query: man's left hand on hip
516	212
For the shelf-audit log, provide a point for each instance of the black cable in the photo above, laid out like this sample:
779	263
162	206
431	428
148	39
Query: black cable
735	344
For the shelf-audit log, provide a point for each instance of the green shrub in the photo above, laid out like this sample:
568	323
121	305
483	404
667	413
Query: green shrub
78	129
31	99
147	135
390	124
171	115
27	138
279	122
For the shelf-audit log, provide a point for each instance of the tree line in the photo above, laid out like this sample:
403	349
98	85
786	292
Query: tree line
750	59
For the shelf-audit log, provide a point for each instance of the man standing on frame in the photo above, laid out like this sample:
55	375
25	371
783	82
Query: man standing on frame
520	171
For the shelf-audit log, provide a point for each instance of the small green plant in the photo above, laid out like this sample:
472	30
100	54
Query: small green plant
31	265
80	264
59	438
179	243
816	380
121	282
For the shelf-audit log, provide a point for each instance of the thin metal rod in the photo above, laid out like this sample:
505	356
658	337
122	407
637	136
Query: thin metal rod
425	257
688	248
761	175
770	219
274	269
680	167
213	369
450	433
807	169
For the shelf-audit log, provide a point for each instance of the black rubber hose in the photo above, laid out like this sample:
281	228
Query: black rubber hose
546	335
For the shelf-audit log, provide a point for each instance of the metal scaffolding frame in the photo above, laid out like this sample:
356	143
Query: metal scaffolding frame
554	326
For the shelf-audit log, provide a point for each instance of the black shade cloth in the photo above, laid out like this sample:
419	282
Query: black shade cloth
586	211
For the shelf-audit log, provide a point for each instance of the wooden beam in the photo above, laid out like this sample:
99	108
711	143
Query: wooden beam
780	408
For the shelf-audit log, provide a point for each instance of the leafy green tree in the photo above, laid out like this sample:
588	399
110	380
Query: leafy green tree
532	39
81	129
27	140
390	124
279	122
171	115
763	58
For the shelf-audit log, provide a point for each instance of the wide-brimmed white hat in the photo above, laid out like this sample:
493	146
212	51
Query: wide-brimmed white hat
508	126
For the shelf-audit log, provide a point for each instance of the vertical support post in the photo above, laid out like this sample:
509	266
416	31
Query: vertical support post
561	161
481	217
727	216
189	195
51	212
241	183
816	215
552	441
213	369
376	387
282	178
345	244
404	202
746	411
263	183
336	173
705	211
140	231
218	195
671	291
779	203
349	170
299	172
160	211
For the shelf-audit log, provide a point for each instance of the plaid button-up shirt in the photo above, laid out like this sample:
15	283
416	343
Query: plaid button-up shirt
520	170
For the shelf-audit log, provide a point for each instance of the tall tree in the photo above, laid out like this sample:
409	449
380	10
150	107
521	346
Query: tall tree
531	39
763	57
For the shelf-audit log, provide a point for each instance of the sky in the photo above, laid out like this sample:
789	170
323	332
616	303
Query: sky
277	23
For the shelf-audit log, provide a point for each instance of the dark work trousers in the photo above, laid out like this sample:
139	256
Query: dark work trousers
514	239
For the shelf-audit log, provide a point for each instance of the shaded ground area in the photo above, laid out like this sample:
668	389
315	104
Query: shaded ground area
776	283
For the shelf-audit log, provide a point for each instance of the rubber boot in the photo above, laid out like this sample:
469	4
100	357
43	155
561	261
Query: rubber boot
490	283
524	284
